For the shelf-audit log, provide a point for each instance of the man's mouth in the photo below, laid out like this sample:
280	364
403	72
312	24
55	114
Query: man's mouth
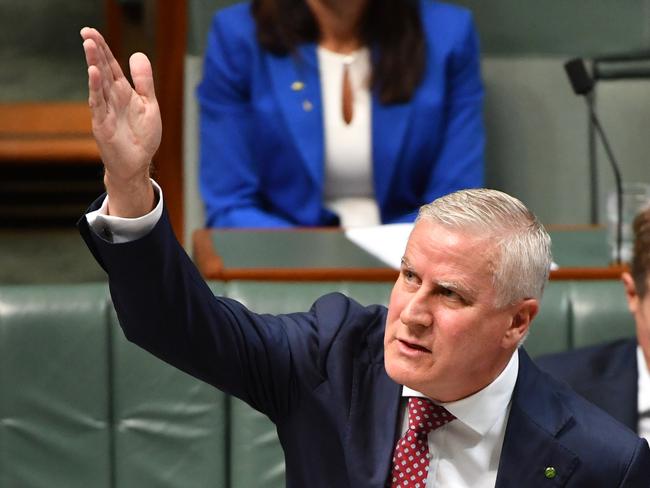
412	346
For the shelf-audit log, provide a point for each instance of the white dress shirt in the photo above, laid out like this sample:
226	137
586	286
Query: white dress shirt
643	399
466	451
118	229
348	188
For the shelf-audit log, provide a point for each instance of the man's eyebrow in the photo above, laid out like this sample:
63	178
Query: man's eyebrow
459	287
404	264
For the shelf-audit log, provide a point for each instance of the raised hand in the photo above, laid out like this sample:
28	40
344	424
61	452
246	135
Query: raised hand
126	124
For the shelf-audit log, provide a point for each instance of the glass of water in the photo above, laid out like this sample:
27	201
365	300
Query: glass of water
635	197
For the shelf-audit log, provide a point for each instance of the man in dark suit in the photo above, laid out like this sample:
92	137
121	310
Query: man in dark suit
615	375
433	391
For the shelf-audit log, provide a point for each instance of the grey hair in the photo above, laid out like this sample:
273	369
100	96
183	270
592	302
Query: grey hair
522	246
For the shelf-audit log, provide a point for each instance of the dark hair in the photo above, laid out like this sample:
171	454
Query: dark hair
392	27
640	266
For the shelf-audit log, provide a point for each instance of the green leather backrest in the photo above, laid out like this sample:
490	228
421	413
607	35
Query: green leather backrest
599	313
82	407
169	427
579	313
54	396
550	330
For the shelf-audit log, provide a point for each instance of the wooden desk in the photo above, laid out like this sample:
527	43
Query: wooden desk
327	255
285	255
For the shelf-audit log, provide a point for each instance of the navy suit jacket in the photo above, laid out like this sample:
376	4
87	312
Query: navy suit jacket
320	377
605	374
262	153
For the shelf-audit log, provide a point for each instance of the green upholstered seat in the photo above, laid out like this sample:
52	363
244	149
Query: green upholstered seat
54	395
82	407
599	313
169	427
550	329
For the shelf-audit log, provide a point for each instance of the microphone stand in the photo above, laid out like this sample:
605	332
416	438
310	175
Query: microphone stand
583	84
617	179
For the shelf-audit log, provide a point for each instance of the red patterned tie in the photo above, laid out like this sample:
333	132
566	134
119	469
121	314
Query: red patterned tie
410	459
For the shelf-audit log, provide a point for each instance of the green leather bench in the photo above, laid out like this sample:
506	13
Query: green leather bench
82	407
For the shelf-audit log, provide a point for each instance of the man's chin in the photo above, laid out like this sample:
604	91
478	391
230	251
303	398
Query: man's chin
401	372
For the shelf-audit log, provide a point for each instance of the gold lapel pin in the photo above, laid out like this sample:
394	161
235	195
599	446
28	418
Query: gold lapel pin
297	85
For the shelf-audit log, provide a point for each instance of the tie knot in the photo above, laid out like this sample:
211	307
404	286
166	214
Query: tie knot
425	416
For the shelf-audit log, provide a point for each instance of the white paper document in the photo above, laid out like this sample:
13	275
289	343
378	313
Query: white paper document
386	242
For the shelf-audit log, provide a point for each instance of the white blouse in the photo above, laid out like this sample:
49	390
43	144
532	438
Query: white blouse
349	189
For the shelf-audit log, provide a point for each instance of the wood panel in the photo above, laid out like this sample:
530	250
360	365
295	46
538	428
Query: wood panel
170	45
158	28
46	132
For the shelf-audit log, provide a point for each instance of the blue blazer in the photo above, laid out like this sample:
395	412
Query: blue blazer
605	374
320	377
262	153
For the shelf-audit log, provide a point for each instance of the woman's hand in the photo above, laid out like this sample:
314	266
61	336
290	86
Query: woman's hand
126	125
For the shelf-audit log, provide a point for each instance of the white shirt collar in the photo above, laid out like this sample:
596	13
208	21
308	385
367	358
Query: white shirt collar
481	410
644	381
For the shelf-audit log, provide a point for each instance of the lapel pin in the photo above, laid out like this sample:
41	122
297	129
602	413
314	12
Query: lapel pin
550	472
297	85
307	106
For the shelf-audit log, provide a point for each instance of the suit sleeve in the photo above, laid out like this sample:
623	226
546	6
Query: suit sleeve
460	161
229	169
164	306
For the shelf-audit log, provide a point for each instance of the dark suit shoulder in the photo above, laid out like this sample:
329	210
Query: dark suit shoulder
601	360
343	319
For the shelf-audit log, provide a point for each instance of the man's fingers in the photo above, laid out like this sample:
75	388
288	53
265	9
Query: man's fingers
96	92
95	57
142	75
96	99
104	52
114	66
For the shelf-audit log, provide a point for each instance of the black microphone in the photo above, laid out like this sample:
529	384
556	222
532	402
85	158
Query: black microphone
582	84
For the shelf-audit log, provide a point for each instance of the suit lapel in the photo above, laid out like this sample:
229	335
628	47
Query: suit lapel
296	84
372	425
389	126
530	446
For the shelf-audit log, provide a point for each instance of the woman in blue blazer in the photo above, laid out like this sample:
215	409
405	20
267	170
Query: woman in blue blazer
262	129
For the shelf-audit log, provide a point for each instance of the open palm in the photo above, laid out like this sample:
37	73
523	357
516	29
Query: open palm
126	121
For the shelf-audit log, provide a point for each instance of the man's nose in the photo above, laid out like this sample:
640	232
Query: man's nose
417	311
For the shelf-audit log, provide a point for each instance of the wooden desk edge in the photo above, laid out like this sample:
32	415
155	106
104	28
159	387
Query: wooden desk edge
574	273
207	260
309	274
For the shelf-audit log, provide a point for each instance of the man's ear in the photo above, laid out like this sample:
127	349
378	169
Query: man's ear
523	316
630	292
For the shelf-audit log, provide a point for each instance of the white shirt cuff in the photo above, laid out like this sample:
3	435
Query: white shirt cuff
118	229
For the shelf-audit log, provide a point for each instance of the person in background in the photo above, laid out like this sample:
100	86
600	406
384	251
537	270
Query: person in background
615	375
337	112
